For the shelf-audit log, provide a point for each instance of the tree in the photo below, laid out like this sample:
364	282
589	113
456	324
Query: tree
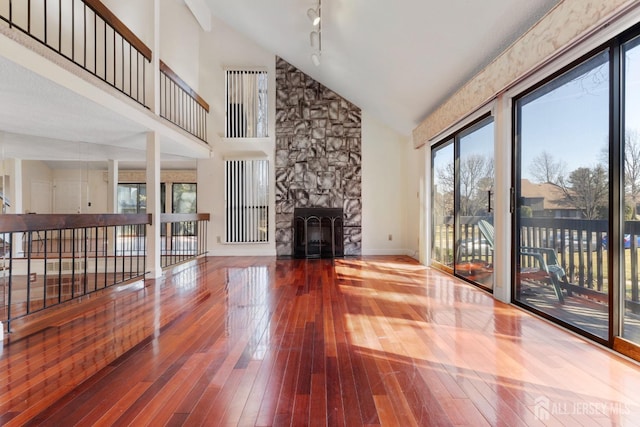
587	189
545	168
476	179
443	195
632	169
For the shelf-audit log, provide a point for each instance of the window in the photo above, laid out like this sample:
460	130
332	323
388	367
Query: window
247	197
184	199
132	198
246	104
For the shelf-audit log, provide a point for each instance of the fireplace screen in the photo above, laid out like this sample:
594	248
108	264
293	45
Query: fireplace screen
318	233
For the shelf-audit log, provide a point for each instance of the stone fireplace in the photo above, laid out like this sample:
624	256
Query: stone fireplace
318	157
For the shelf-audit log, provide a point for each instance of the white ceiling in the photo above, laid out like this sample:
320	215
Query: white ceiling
40	120
397	60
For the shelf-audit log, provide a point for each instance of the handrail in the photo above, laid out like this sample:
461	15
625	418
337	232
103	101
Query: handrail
177	217
183	85
10	223
181	105
110	18
184	237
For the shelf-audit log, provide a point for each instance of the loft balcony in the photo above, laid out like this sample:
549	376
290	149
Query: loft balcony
88	36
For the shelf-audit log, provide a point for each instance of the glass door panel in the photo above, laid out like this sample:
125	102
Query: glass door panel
562	197
631	222
475	177
442	200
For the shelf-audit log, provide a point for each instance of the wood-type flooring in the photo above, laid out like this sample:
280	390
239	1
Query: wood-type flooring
259	341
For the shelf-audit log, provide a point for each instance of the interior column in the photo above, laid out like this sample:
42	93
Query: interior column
112	186
153	204
14	194
112	200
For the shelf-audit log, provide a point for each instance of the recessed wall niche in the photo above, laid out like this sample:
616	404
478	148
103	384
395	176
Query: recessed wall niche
318	155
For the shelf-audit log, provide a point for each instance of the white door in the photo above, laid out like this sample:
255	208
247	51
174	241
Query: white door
67	197
40	197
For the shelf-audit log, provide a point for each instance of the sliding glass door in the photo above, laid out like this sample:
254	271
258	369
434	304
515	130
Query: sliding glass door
562	194
442	211
474	214
462	217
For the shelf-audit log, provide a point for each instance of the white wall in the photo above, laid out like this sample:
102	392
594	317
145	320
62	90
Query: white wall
219	49
38	177
180	41
137	16
415	187
388	190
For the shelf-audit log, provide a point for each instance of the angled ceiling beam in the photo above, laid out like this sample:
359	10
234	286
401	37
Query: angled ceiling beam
201	12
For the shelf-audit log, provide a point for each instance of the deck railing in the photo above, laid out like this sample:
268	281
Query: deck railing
184	237
581	247
579	243
87	33
51	259
181	105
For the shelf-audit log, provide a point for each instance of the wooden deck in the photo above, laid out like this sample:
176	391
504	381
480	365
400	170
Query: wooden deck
260	341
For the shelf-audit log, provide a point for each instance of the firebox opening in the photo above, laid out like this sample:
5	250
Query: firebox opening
318	233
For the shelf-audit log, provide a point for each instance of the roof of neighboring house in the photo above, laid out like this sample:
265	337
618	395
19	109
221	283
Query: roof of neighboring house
552	196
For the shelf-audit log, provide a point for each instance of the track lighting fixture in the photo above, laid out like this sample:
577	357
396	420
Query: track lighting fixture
315	37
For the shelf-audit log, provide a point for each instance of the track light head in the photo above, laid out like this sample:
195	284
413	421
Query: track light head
314	16
315	58
314	39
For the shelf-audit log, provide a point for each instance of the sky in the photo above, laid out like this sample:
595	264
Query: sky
572	121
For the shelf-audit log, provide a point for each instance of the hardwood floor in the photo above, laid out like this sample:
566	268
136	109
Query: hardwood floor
350	342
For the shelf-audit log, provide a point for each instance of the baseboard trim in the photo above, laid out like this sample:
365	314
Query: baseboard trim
399	251
238	251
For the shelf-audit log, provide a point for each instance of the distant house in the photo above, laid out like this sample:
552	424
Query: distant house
546	200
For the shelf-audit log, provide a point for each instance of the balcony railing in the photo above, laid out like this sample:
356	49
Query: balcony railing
181	105
48	260
87	33
184	237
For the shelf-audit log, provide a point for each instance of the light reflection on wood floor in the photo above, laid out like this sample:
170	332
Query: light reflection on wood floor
259	341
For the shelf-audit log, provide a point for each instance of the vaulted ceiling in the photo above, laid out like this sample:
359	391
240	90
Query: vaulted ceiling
397	60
